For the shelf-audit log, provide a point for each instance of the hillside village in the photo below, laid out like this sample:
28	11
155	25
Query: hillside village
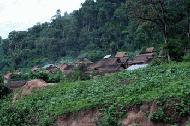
107	65
95	63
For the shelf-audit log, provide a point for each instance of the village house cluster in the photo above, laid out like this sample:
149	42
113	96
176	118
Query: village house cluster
109	64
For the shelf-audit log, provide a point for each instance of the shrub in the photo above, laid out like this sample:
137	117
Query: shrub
56	77
47	77
3	90
159	83
143	50
158	116
18	77
93	55
39	75
158	61
78	74
186	58
176	50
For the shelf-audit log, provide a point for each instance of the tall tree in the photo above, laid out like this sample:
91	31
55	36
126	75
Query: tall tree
159	12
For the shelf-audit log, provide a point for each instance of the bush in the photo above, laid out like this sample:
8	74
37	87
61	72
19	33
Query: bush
186	58
176	50
17	77
3	90
93	55
158	61
56	77
47	77
39	75
159	83
143	50
78	74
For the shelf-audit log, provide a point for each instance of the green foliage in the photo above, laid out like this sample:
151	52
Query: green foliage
39	75
3	90
93	55
18	77
1	79
96	29
67	60
176	49
111	115
56	77
47	77
158	61
186	58
158	116
164	84
76	75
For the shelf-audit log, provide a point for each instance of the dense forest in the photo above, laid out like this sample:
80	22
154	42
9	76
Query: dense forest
102	27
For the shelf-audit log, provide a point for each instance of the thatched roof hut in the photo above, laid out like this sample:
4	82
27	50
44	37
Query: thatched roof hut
143	58
121	54
15	84
66	68
109	65
150	50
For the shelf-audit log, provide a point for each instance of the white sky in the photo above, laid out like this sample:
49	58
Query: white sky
21	14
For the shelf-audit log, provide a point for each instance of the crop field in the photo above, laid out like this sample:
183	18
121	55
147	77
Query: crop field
165	83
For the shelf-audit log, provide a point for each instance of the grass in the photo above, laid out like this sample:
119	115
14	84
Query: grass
162	83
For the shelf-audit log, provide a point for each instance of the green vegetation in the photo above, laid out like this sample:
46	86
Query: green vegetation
47	77
168	84
99	28
187	57
3	90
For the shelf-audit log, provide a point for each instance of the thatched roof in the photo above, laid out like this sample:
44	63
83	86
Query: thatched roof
123	59
15	84
63	66
121	54
109	69
143	58
130	62
84	61
66	68
103	63
110	65
8	76
148	55
150	50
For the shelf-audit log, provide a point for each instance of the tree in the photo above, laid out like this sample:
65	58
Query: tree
187	8
1	40
101	27
159	12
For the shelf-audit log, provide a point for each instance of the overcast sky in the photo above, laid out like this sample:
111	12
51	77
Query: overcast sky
21	14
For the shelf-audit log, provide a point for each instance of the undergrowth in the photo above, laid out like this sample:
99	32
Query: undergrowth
165	83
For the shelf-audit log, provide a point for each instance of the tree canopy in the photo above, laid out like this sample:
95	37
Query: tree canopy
101	27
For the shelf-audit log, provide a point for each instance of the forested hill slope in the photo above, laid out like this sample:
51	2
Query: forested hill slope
165	87
101	27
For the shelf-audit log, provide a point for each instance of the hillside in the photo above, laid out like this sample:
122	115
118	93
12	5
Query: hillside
99	28
114	96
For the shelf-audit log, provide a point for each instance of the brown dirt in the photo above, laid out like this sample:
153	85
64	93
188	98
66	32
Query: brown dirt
28	87
138	116
84	118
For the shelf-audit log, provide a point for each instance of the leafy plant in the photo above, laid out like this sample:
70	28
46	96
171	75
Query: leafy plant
3	90
186	58
162	83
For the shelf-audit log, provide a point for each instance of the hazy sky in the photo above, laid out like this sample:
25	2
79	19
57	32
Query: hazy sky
22	14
